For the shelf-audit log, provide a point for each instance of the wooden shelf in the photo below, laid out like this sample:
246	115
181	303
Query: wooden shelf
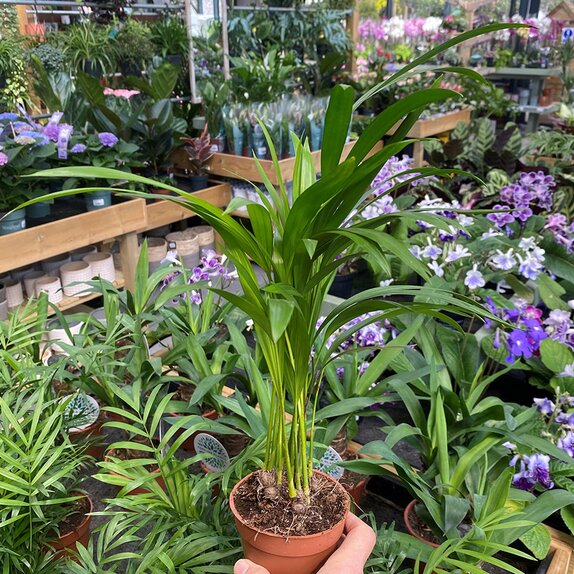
243	167
435	125
38	243
164	212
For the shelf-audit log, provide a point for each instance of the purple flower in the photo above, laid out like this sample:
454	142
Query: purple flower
544	406
537	472
518	345
474	278
565	419
504	261
566	443
539	469
8	117
501	219
3	158
78	148
107	139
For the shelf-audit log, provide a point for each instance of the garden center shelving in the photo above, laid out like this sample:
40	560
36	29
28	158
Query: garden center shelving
121	222
433	126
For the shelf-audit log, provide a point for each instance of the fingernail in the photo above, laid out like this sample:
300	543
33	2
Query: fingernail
242	567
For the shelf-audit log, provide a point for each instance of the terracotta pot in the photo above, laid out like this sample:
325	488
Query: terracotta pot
65	545
407	517
296	554
357	491
188	445
94	434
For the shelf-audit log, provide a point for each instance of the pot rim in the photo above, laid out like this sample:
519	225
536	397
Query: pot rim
274	536
410	508
73	535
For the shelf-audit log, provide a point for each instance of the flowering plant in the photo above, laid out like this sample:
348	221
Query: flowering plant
24	148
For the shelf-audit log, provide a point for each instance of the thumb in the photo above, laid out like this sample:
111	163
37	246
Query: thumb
248	567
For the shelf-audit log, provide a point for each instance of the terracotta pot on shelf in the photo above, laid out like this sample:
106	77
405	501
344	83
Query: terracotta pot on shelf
295	554
65	545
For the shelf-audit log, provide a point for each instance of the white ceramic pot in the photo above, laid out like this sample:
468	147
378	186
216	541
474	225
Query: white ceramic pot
73	275
14	293
102	265
50	285
53	264
30	281
3	310
79	254
57	334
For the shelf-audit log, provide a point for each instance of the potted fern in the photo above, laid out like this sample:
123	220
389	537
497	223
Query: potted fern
296	241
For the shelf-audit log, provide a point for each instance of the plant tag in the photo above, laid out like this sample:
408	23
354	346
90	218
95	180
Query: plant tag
328	464
81	411
98	202
205	443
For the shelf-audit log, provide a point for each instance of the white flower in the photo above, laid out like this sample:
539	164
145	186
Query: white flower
527	243
571	303
457	253
249	324
568	371
416	251
431	251
464	219
474	278
491	233
438	269
504	261
386	282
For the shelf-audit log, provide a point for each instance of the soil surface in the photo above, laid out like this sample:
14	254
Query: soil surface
78	510
267	507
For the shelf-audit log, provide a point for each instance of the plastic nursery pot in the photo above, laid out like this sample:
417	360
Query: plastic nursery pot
15	221
188	445
98	200
38	210
66	544
94	434
357	491
295	554
342	286
198	182
408	517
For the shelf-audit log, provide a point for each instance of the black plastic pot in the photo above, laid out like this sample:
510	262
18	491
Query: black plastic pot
198	182
174	59
342	286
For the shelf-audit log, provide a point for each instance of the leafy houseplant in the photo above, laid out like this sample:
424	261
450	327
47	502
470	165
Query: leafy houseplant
296	242
199	153
134	47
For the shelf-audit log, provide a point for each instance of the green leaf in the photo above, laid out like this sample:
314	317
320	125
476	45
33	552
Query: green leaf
280	312
537	540
337	120
567	515
555	356
551	292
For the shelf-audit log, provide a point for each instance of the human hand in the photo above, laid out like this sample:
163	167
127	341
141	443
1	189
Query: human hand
349	558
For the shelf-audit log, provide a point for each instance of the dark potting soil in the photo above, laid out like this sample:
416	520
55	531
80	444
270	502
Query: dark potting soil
267	507
131	454
78	510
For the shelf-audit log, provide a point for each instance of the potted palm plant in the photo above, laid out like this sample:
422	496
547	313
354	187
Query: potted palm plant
296	241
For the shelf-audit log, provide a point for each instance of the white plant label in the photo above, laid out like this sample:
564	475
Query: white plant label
328	464
205	443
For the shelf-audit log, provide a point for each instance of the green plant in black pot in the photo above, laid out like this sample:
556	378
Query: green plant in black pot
169	35
198	155
134	47
90	49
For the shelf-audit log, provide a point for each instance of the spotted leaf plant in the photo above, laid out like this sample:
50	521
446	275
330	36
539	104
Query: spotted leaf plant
295	239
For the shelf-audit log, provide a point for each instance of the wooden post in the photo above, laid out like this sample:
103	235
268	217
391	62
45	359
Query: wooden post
225	39
353	28
129	252
22	18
